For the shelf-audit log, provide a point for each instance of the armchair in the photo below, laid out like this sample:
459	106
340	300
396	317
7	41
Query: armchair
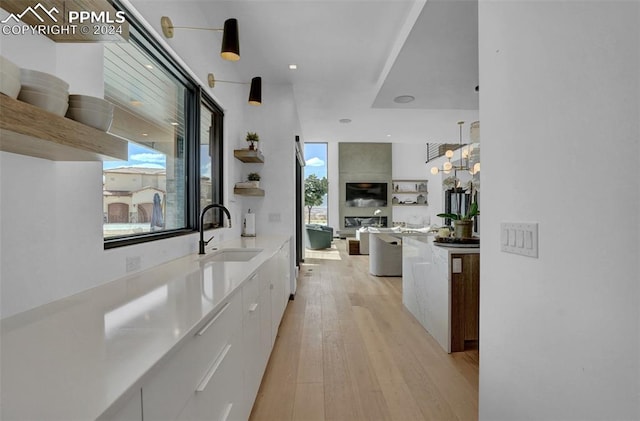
318	237
385	255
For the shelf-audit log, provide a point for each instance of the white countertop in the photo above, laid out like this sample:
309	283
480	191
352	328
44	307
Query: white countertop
72	359
440	247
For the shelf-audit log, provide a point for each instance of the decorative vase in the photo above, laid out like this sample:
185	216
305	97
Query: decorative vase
255	184
251	146
463	228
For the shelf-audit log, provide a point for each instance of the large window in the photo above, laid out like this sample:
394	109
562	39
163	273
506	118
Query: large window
174	134
316	185
210	161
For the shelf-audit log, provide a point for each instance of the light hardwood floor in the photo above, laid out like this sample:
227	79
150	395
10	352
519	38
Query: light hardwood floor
348	350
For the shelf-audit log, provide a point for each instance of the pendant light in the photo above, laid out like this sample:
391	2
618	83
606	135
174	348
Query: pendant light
230	49
464	163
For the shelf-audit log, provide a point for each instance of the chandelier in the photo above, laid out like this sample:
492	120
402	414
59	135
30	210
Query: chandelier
464	163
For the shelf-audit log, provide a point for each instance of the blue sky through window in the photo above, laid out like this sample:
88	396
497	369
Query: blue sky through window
315	155
139	156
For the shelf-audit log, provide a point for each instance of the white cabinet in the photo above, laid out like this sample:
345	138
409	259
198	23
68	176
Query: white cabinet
216	374
280	286
219	395
253	365
129	410
188	372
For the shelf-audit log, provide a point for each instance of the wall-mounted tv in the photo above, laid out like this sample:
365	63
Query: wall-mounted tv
366	195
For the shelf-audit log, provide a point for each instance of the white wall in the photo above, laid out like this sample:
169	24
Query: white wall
559	107
51	224
333	175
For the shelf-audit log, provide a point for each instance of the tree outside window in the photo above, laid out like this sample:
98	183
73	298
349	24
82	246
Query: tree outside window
315	190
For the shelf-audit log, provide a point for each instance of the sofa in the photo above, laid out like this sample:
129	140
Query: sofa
318	237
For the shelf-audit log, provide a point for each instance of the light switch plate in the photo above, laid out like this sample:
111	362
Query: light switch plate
522	238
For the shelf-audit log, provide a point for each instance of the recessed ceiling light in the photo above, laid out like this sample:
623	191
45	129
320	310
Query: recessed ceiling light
293	66
173	123
403	99
345	120
135	102
388	135
148	66
145	134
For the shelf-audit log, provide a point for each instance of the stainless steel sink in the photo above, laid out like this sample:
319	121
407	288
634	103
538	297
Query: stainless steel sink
233	255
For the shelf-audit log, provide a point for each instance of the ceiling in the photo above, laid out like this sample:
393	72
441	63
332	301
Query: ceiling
353	56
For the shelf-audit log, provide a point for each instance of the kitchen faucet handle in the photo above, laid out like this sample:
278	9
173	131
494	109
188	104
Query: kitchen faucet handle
207	242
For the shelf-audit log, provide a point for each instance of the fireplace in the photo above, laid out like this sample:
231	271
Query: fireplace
364	221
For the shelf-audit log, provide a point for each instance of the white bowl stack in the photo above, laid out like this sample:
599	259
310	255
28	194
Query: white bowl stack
9	78
92	111
45	91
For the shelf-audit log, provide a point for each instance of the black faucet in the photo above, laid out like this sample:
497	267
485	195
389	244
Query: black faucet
203	243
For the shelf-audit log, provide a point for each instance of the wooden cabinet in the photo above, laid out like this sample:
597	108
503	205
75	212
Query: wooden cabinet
465	300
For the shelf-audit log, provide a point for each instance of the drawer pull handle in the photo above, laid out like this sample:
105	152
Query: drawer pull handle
214	367
227	411
213	320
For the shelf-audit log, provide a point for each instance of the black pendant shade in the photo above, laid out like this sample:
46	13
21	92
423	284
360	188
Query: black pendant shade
230	41
255	93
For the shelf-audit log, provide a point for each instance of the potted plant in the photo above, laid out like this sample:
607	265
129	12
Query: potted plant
463	224
254	178
252	138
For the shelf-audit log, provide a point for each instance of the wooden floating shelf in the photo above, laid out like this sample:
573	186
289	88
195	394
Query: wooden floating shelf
28	130
410	204
246	155
248	192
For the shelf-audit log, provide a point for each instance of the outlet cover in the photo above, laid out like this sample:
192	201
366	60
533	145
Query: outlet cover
134	263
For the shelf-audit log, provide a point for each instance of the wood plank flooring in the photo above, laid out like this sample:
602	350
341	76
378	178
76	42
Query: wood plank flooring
347	349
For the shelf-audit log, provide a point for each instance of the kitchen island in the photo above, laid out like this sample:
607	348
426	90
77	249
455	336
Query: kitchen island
440	287
187	337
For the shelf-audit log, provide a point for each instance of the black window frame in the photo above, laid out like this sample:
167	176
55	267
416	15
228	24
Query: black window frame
194	97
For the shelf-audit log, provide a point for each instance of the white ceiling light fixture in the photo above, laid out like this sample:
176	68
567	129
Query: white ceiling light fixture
293	67
404	99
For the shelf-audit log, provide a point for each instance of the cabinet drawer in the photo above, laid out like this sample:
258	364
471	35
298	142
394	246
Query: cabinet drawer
173	383
250	293
219	396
